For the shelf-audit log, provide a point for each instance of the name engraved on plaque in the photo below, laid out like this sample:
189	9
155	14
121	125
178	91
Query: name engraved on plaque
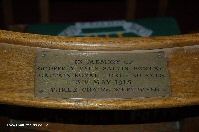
100	75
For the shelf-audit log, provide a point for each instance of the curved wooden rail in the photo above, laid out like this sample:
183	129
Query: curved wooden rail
17	69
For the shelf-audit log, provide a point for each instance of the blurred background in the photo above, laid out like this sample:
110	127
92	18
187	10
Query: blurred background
27	12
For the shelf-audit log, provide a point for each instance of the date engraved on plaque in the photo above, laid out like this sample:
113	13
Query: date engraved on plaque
100	75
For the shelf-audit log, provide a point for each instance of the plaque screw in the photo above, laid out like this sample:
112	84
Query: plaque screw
159	55
41	91
43	55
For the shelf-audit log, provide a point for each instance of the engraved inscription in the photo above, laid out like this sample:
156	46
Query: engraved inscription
98	75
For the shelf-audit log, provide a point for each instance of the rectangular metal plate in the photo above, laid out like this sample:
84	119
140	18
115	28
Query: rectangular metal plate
99	75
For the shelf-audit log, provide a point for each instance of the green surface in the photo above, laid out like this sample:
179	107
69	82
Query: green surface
163	26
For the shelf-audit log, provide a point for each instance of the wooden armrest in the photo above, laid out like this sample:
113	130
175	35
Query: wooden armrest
18	59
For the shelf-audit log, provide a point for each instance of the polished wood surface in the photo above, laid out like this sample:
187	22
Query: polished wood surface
17	69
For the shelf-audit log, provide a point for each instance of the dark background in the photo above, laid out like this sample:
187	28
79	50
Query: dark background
186	12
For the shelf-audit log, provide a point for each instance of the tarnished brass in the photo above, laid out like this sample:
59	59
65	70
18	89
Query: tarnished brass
101	75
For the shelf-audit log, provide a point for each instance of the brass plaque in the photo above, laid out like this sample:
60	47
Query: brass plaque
100	75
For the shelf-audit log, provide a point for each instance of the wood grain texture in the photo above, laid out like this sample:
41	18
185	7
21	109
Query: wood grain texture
17	69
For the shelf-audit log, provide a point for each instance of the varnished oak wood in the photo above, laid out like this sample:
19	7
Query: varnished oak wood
17	69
